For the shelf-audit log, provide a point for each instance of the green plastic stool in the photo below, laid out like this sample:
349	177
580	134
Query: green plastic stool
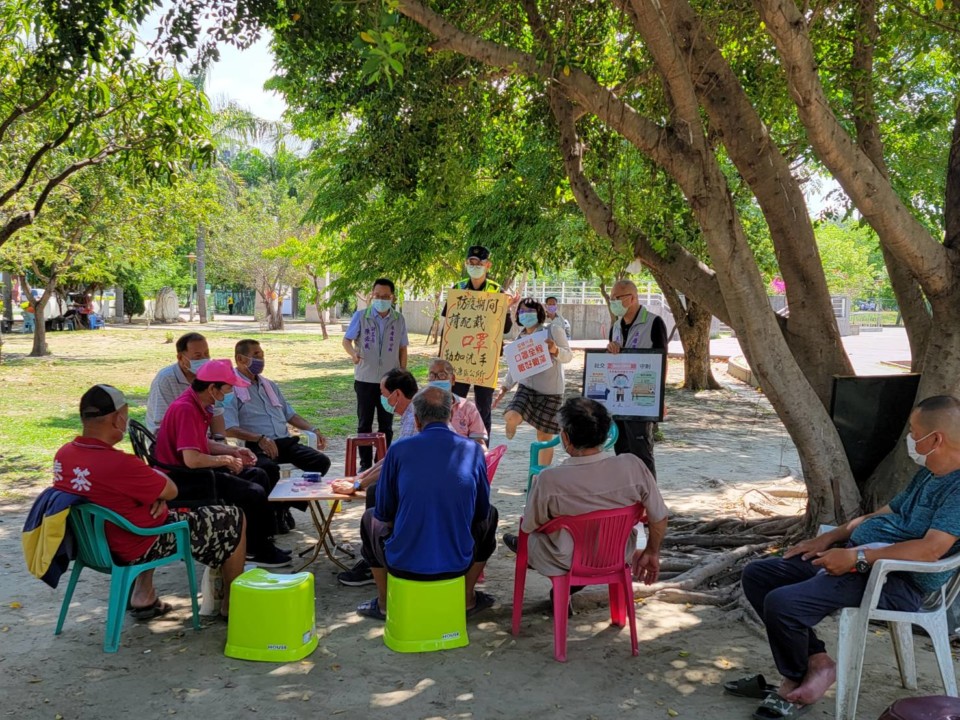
272	617
425	616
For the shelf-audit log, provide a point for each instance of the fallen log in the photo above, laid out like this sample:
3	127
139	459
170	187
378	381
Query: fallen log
714	540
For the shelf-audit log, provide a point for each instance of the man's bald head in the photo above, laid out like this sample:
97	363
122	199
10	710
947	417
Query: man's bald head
432	404
941	414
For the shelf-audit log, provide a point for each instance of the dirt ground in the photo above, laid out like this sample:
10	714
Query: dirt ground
720	447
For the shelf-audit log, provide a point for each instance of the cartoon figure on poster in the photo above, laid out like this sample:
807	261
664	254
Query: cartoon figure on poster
620	378
620	384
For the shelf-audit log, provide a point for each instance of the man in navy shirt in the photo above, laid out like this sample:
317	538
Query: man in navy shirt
818	576
433	519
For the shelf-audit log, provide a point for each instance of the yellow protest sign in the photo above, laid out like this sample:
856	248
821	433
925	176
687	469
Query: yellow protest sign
473	334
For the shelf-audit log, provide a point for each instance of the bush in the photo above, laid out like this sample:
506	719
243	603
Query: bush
132	302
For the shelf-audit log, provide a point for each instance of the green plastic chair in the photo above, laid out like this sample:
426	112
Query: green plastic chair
87	523
535	447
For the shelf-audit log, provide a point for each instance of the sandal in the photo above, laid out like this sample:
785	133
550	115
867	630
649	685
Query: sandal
775	707
371	609
754	686
158	609
483	601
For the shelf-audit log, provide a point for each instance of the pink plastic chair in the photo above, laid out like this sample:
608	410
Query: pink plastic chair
599	540
493	461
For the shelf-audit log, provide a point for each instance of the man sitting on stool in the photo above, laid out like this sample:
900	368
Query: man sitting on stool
433	519
258	415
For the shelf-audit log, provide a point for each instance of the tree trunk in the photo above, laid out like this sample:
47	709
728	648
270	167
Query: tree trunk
118	304
693	324
202	274
7	296
316	303
40	348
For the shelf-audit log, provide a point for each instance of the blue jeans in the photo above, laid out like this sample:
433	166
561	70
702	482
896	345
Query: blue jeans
792	596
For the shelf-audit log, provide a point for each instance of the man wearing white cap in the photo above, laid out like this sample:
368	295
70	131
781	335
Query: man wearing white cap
182	442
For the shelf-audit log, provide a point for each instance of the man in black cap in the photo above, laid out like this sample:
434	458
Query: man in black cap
477	266
92	466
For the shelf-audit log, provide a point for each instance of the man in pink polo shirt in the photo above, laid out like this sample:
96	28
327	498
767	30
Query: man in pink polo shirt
182	442
466	420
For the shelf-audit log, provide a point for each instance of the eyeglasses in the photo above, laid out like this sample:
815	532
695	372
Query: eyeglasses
475	262
438	375
624	296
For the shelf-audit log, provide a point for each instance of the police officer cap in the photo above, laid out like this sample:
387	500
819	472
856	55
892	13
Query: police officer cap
479	252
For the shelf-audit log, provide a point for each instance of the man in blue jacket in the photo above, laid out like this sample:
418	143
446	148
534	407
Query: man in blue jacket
433	519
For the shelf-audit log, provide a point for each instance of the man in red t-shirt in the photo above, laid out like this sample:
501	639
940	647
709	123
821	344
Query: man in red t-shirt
182	442
92	467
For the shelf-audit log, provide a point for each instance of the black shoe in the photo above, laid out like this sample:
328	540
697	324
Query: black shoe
511	541
271	557
356	576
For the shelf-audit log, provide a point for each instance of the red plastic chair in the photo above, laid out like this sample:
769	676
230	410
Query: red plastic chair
599	540
493	461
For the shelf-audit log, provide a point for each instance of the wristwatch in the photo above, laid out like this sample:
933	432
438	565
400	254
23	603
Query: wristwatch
862	566
356	485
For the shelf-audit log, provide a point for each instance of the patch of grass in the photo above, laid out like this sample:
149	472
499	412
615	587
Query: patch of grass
39	396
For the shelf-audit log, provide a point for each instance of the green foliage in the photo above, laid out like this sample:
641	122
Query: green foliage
132	301
852	260
101	107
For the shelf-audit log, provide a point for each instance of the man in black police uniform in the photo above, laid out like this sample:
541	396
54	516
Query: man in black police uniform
477	266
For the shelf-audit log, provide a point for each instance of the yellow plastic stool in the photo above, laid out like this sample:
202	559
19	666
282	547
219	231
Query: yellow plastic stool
425	616
272	617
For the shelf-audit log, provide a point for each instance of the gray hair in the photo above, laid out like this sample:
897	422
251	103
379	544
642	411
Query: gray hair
432	404
447	365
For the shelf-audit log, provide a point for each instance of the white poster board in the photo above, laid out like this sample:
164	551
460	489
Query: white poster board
630	384
528	355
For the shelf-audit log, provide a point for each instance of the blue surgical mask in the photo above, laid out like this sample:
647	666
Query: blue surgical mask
476	271
386	405
617	308
527	319
256	365
197	364
442	384
381	306
227	400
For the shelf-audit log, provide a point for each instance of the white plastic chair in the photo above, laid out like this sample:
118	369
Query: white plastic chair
932	617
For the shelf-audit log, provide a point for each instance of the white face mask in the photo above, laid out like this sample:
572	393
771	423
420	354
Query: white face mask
919	458
476	271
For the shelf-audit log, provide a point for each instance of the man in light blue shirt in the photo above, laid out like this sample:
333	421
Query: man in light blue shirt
259	416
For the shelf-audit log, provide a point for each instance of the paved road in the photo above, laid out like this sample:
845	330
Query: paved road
870	352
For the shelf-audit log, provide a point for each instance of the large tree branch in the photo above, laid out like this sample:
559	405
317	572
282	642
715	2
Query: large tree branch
909	297
34	161
873	195
811	327
22	220
20	110
679	266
